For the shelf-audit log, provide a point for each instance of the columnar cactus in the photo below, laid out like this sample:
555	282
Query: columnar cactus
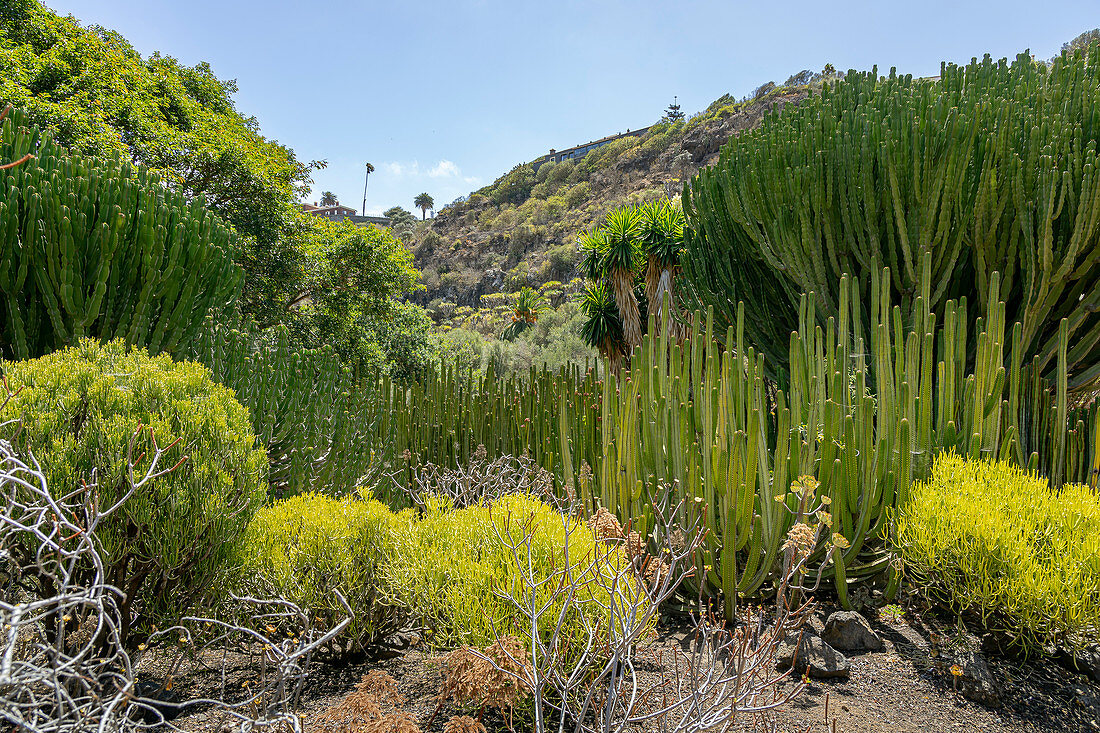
993	166
101	248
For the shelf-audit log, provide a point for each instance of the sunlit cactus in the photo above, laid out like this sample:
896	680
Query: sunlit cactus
101	248
994	166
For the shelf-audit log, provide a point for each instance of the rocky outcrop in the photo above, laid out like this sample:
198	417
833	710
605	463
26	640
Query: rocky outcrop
706	140
806	652
850	632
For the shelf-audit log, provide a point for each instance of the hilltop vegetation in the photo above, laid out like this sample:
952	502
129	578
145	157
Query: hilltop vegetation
522	229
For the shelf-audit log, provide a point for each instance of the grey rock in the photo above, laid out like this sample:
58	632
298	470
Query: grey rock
849	631
976	681
1084	661
396	644
823	661
1090	701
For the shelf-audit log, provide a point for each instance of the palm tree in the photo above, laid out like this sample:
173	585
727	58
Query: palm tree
328	198
525	313
621	255
424	202
370	169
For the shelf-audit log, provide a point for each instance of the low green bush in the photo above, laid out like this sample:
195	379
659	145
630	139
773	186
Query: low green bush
166	546
309	546
996	544
452	567
460	349
577	194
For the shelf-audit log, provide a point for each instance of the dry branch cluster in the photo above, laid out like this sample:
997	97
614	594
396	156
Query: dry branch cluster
727	675
482	481
63	665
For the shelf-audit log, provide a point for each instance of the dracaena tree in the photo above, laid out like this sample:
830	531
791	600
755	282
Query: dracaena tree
662	238
621	258
602	329
525	313
631	263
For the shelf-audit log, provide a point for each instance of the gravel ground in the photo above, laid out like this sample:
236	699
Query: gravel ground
901	689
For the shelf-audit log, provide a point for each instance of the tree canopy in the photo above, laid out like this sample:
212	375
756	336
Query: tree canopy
330	283
402	220
348	297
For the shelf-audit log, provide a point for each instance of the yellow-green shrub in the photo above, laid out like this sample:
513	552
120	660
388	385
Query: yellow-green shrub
166	546
990	540
452	566
309	546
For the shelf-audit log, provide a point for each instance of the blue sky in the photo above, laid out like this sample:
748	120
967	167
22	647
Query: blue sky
444	97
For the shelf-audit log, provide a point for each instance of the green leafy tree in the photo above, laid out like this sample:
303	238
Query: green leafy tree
402	220
424	202
673	113
100	96
357	277
798	79
404	337
1082	41
328	198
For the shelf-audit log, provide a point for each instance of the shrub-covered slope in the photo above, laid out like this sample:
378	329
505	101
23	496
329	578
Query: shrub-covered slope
522	229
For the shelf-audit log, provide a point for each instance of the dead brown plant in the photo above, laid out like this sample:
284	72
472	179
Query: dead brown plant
360	709
463	724
492	677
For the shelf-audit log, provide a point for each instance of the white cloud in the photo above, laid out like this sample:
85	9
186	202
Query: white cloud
411	169
398	169
444	169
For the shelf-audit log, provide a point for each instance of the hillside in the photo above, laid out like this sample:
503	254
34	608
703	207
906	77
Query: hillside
522	229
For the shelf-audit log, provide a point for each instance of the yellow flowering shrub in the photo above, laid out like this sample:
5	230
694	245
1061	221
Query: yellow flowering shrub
1002	546
309	546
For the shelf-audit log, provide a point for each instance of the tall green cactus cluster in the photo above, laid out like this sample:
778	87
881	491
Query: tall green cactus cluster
443	420
101	248
994	166
318	423
705	420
